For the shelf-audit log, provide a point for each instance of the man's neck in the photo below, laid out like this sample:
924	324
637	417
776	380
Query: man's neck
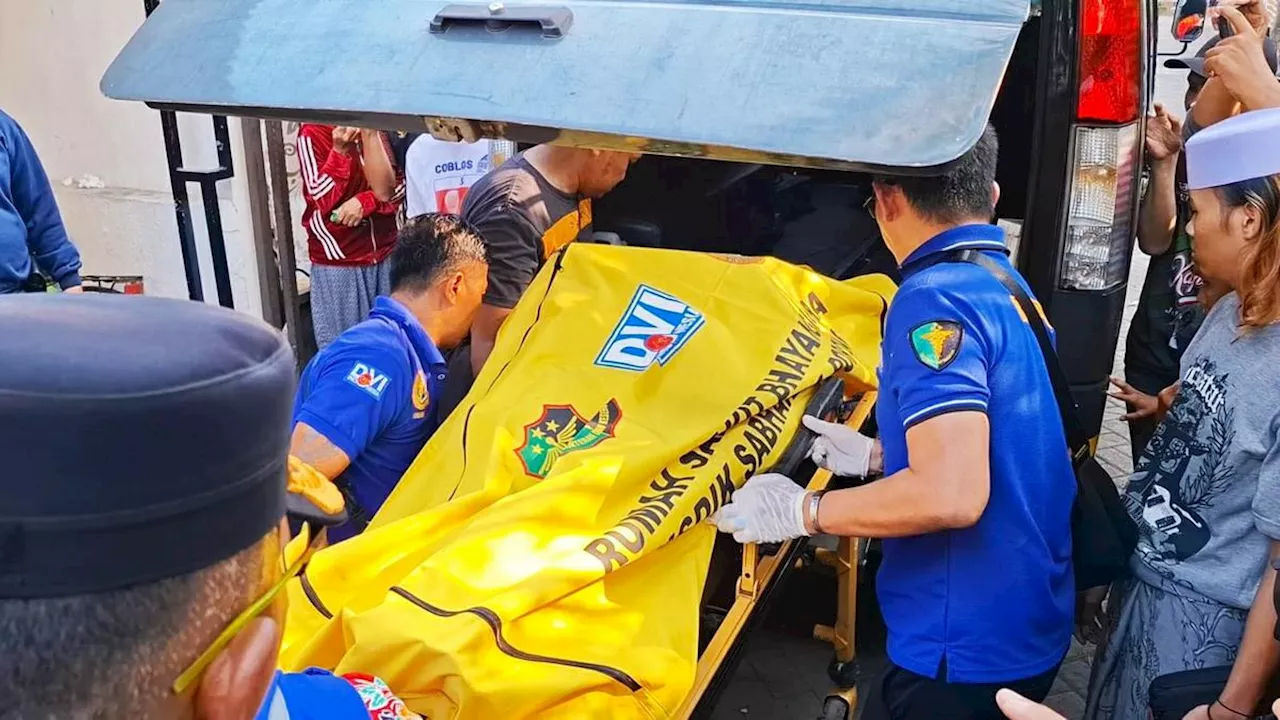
558	165
424	310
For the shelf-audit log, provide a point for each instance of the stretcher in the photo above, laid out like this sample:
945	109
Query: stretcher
547	554
764	569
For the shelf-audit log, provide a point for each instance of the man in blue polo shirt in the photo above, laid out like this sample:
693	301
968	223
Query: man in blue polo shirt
976	585
365	406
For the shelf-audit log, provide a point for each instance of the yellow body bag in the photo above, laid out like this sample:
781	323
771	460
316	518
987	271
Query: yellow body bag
545	554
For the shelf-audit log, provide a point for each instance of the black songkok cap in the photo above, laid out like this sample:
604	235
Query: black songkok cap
140	439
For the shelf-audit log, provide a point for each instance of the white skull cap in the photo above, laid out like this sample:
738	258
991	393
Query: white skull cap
1239	148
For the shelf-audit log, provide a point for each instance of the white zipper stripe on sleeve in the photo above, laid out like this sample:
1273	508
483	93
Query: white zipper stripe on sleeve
337	249
311	226
327	241
317	184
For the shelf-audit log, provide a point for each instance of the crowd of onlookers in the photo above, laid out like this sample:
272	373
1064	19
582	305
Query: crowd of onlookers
1192	630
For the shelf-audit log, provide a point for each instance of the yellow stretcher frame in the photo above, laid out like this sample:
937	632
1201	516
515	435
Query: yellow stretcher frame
759	570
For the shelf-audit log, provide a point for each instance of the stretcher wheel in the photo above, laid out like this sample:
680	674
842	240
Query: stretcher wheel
835	708
843	674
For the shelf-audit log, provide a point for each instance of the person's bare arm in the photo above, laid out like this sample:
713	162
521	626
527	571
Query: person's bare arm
484	333
945	487
1214	104
379	171
1259	655
1159	210
309	446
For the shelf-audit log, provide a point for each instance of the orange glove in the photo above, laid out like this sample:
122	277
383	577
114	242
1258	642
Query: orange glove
306	481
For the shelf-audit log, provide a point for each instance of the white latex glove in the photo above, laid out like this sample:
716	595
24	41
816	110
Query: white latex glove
768	508
839	448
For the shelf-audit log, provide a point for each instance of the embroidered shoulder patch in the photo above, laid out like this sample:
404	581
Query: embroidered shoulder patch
936	343
368	378
421	398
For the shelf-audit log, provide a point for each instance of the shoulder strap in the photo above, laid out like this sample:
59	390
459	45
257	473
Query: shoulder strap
1077	439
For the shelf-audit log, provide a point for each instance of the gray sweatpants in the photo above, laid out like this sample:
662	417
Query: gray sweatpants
343	296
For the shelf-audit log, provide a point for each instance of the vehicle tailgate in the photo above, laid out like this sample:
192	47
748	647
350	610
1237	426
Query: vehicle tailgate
861	83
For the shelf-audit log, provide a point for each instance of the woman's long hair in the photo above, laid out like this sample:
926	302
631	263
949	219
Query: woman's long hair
1259	289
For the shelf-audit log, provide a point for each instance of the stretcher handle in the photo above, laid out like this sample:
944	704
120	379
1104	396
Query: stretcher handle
825	399
554	22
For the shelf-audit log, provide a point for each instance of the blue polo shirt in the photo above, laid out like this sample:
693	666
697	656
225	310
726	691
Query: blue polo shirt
313	694
994	602
370	393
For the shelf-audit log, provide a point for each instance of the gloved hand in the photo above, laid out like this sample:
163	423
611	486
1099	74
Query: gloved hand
840	449
768	508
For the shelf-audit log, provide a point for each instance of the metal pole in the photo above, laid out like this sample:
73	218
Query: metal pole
181	205
255	172
279	176
208	181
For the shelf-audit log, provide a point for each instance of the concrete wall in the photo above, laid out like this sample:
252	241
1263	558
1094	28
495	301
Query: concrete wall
106	159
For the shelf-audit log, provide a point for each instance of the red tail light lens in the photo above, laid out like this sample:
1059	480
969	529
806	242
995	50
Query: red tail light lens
1110	60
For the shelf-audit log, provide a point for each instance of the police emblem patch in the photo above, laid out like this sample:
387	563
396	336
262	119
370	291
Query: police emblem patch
561	431
653	329
937	343
421	398
367	378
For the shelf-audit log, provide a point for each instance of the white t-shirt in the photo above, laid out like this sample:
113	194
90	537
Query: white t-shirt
438	173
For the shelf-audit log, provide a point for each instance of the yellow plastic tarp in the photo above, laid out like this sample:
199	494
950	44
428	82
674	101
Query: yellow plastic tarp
545	554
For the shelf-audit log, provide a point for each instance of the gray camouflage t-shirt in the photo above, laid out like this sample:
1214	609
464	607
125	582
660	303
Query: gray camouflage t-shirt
1206	491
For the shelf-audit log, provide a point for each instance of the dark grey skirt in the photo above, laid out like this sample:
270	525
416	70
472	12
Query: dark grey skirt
1155	630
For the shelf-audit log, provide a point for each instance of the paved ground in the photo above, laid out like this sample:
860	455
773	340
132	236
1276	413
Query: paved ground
783	671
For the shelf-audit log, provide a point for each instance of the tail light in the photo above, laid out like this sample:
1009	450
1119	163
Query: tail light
1111	60
1100	220
1106	146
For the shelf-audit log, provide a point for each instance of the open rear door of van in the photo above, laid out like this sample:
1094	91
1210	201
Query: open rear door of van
852	84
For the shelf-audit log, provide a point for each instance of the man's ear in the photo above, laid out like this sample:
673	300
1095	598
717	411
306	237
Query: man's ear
889	202
454	286
237	681
995	196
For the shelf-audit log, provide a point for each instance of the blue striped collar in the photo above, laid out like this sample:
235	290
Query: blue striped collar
977	237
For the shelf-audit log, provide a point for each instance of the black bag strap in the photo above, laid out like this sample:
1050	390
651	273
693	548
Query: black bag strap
1077	439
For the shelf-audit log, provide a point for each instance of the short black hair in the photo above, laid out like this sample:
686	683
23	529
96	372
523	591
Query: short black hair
115	654
431	246
962	193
